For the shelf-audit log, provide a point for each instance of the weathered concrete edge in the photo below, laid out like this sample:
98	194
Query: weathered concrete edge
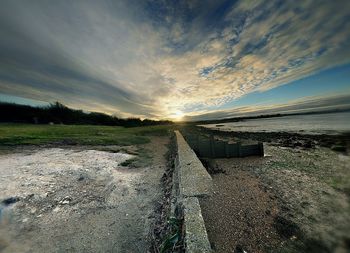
196	237
191	181
194	180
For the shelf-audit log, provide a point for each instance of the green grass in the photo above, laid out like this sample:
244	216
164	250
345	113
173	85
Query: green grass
143	158
27	134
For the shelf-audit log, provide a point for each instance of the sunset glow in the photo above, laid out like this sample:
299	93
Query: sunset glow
150	58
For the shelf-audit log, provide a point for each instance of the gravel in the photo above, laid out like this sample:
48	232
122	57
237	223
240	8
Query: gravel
78	200
240	215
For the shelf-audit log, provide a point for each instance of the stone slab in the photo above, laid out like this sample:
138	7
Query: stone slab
194	180
196	234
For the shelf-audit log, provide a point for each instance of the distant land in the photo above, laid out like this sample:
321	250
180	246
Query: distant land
58	113
263	116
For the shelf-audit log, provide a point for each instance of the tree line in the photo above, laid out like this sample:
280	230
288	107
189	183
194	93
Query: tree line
57	113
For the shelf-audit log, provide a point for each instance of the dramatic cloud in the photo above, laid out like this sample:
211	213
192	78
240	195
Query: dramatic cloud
158	58
307	104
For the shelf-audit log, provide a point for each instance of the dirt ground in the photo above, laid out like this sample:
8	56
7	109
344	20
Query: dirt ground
239	215
78	200
291	200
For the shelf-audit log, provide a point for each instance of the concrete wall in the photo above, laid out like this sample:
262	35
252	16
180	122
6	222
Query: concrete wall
209	147
191	181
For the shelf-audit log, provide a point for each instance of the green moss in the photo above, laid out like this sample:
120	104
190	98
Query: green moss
143	158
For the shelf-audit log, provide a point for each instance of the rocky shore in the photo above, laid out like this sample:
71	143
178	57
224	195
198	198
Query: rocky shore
294	199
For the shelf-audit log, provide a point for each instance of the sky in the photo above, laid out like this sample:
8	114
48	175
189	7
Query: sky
170	59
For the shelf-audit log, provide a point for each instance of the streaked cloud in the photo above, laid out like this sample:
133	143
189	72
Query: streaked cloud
307	104
156	58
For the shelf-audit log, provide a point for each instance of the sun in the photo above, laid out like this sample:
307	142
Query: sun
177	116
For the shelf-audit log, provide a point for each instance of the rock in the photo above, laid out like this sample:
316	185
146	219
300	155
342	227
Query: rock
338	148
37	197
239	249
297	144
10	201
66	200
81	178
29	196
308	144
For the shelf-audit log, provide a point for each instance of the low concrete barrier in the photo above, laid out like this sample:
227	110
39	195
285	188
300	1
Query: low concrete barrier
191	181
208	146
194	179
196	237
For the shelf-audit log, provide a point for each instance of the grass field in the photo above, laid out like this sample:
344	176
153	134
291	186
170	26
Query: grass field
27	134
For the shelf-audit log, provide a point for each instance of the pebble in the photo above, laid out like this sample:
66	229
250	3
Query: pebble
10	201
81	178
66	200
30	195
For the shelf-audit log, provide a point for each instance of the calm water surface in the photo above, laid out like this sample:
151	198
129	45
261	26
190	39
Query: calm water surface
330	123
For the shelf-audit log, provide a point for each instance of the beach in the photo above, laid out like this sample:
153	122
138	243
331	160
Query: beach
294	199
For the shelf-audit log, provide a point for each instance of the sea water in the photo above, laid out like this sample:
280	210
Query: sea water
326	123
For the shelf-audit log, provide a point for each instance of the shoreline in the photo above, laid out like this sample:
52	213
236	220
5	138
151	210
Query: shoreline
339	142
300	190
